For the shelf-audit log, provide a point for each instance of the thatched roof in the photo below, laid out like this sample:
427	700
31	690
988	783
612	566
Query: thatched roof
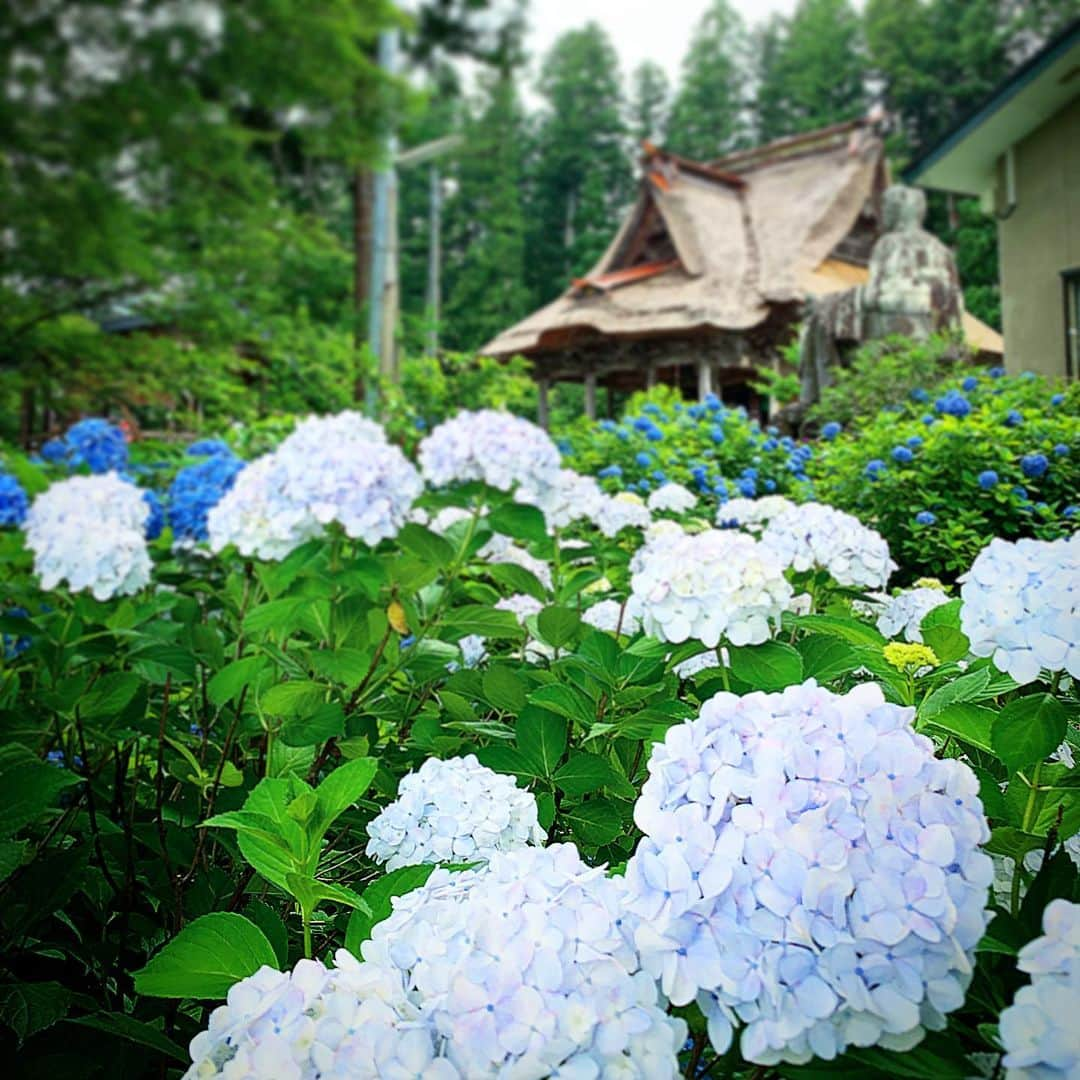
716	247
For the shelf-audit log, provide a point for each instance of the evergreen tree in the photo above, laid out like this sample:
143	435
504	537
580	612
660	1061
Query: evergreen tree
484	270
649	98
709	114
580	175
812	70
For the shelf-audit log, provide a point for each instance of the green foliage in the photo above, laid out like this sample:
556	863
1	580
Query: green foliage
1011	418
649	98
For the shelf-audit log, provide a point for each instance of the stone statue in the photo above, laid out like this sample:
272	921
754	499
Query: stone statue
913	289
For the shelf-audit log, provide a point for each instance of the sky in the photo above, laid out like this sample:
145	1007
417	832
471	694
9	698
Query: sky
656	30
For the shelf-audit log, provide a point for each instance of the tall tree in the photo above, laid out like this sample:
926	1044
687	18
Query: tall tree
709	116
649	99
812	70
580	176
485	234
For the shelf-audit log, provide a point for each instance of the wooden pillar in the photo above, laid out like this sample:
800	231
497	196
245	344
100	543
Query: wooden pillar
650	375
542	414
590	395
704	378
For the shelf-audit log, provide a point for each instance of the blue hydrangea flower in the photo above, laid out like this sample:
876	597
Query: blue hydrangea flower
54	451
608	425
747	487
622	434
769	444
196	490
1070	511
915	442
928	419
988	479
651	407
953	403
831	430
654	434
712	402
874	469
609	471
716	433
1061	450
97	444
13	501
919	395
996	372
1020	492
156	521
1057	399
55	757
770	485
642	423
925	517
209	447
659	476
696	411
1014	419
750	472
902	455
970	383
643	459
1034	465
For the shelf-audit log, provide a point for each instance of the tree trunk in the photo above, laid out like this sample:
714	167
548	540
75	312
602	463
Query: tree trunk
361	200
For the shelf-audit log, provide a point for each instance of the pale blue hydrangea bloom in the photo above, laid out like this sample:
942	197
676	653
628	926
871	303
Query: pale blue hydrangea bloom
710	585
1039	1030
902	615
567	498
814	536
810	872
1021	605
89	531
673	498
453	811
613	513
753	514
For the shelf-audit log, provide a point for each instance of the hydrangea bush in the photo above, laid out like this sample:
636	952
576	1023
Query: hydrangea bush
564	784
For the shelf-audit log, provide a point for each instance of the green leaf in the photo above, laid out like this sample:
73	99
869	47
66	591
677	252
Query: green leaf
971	723
377	902
230	681
326	721
340	790
271	797
251	824
310	892
28	1008
127	1027
506	759
11	856
269	922
516	579
206	958
504	689
30	788
541	737
109	695
519	521
967	688
595	822
297	697
1015	843
858	633
274	615
558	625
1028	729
584	772
479	619
944	615
826	658
426	545
769	666
947	642
566	701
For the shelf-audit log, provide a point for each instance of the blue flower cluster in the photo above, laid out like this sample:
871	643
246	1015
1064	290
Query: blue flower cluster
94	443
14	644
155	523
13	501
198	488
953	403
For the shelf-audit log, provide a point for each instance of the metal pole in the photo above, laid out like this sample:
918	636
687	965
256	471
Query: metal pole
434	298
380	227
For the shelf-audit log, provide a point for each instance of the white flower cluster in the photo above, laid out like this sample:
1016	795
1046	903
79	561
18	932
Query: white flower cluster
610	615
617	512
753	514
335	468
809	870
497	448
710	585
813	536
903	614
1021	605
501	549
672	497
453	810
1039	1030
523	969
89	530
521	604
570	497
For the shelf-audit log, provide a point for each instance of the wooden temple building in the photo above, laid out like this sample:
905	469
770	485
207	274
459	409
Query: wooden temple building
706	278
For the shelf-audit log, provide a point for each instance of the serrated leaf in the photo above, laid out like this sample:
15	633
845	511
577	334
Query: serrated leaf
967	721
206	958
479	619
230	681
558	625
426	545
340	790
584	772
275	616
541	736
325	721
1028	730
595	822
30	788
298	697
966	688
126	1027
504	689
28	1007
769	666
519	521
566	701
109	695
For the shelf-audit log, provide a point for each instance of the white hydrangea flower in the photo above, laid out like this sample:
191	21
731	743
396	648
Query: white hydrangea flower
335	468
569	498
1021	605
473	649
753	514
497	448
446	517
521	604
672	497
813	536
687	669
1039	1030
89	531
528	970
710	585
623	511
904	613
810	871
661	530
611	615
453	811
500	549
